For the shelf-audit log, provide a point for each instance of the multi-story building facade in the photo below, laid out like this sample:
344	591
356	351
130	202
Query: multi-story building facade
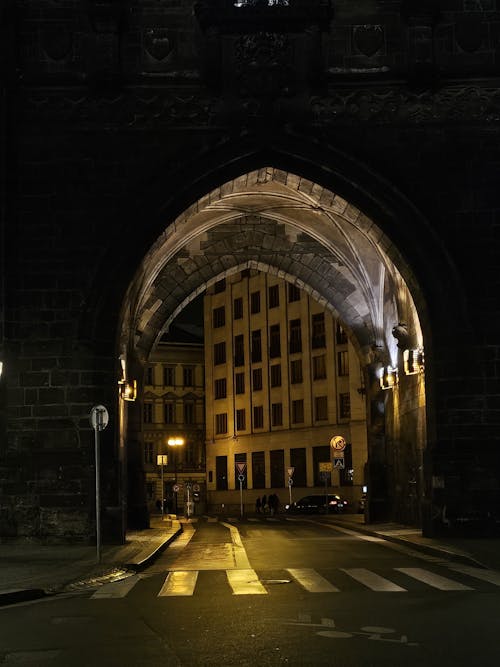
174	408
282	379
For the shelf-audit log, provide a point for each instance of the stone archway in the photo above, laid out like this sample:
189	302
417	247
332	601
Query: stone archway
278	222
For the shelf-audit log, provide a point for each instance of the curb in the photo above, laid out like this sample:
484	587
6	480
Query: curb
21	595
144	558
432	550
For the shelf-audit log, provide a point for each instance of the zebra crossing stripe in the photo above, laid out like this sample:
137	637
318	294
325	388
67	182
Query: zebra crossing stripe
245	582
178	583
434	580
373	581
312	581
491	576
116	589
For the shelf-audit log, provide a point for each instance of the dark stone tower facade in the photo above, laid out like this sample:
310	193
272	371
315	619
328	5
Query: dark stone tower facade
121	119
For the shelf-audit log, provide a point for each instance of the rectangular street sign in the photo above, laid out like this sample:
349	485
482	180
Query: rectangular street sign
325	466
339	464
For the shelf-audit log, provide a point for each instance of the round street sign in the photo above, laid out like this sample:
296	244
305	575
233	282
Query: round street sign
99	417
196	487
290	481
338	443
176	488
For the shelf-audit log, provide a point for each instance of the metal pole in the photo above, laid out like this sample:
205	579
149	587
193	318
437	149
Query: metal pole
241	496
97	487
326	491
162	493
290	489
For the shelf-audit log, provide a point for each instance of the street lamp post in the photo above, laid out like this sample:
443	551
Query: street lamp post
175	442
162	460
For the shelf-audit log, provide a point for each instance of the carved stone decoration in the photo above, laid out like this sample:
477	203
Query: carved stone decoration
158	43
469	32
368	39
263	64
107	16
57	42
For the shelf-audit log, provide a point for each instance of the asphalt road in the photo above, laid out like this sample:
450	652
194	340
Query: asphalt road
267	593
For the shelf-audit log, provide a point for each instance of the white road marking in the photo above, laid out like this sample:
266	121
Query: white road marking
312	581
491	576
373	581
240	555
245	582
434	580
179	583
116	589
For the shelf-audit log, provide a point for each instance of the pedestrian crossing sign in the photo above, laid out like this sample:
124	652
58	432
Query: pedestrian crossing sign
339	464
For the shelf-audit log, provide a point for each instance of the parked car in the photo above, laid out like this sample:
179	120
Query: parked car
317	505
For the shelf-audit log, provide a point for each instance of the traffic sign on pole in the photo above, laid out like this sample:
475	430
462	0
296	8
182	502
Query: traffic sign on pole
99	418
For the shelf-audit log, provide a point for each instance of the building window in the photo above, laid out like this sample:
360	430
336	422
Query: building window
344	406
220	388
219	317
295	336
321	408
188	376
298	462
276	375
274	341
240	420
148	413
150	490
318	338
258	416
148	453
169	412
220	473
319	367
239	350
343	363
189	412
255	302
293	293
256	346
239	381
298	412
219	353
296	371
274	296
257	379
169	376
277	465
149	375
238	308
340	335
221	423
258	470
240	458
220	286
277	414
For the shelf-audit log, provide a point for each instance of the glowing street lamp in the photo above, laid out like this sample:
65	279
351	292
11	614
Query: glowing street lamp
175	442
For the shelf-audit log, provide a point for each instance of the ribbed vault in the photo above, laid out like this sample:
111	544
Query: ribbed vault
277	222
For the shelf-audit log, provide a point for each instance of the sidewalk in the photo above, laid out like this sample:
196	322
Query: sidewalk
29	570
477	552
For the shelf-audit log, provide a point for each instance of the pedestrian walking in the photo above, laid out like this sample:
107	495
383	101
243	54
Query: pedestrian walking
258	505
264	503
